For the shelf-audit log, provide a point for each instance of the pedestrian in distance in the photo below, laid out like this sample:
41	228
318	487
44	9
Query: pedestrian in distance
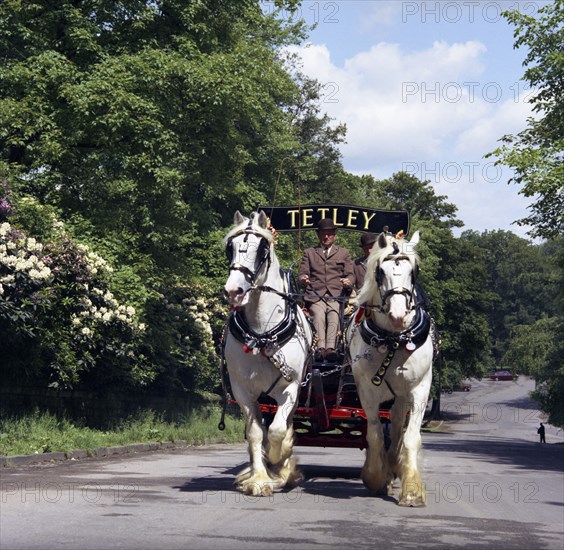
540	431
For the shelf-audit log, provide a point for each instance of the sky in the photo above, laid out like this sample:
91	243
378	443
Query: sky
427	87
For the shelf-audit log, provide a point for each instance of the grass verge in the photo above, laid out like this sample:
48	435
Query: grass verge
42	432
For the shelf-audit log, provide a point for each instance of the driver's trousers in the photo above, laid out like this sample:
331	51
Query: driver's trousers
325	316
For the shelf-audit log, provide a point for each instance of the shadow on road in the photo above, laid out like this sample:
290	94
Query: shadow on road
323	483
525	455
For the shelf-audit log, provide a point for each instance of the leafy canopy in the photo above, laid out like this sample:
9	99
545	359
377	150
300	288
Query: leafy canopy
536	154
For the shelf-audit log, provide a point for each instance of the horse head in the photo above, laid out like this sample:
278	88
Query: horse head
391	291
249	252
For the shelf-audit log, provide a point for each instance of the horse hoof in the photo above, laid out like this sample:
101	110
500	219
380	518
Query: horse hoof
379	490
243	476
256	489
266	491
412	501
294	479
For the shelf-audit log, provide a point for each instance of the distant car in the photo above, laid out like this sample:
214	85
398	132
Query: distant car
461	387
503	375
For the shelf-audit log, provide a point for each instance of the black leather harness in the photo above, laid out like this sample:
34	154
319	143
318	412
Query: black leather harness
278	336
410	339
416	333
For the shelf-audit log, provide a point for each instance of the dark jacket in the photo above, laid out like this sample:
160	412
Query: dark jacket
360	271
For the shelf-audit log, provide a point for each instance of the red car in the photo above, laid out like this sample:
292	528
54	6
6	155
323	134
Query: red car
503	375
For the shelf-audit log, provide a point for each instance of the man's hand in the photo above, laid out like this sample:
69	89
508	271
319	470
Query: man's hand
304	280
346	283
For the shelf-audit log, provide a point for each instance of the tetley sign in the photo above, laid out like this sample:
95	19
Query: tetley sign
355	218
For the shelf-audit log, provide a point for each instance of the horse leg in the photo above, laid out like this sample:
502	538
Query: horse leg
405	457
375	474
281	439
398	415
255	480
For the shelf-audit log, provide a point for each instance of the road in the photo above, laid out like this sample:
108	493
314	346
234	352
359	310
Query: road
489	484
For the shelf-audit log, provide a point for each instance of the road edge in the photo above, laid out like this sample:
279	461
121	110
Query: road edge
16	461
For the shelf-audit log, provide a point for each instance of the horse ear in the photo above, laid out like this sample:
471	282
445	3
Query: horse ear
382	241
415	239
263	219
238	219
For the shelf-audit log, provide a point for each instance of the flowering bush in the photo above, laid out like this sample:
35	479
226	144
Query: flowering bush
56	309
68	320
187	324
23	271
21	259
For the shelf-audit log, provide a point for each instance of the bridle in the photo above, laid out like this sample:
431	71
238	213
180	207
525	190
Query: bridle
262	256
409	293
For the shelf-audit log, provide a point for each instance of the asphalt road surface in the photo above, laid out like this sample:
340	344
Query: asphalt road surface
490	484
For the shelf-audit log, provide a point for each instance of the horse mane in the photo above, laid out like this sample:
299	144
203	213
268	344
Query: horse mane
402	249
265	232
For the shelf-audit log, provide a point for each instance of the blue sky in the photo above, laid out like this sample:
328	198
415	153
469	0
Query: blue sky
427	87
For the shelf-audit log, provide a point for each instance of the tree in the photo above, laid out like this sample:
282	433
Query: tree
405	191
58	316
538	348
547	365
537	153
143	126
532	347
522	280
145	119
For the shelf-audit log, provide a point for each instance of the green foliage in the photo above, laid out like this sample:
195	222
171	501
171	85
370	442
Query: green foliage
547	366
522	278
536	348
536	153
43	432
58	317
186	323
532	346
142	126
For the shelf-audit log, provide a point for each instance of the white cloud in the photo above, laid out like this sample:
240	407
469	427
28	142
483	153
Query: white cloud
431	107
507	117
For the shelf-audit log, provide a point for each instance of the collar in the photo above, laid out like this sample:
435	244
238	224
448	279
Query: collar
416	333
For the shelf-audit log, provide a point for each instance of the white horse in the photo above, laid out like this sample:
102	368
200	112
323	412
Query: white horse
267	345
391	349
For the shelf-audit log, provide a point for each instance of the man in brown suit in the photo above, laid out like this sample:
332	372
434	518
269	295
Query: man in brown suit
367	241
325	270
